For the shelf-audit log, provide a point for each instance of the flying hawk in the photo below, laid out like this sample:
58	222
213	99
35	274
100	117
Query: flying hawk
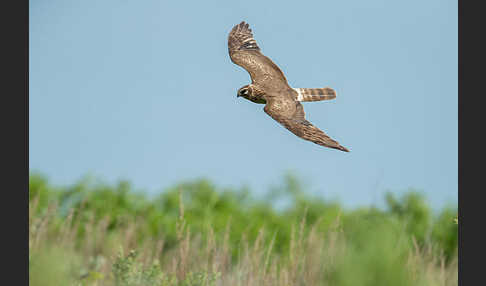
269	86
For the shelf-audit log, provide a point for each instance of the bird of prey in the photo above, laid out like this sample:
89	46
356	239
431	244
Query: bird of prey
269	86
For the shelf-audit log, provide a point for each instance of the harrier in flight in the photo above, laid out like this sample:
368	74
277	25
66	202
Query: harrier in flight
269	86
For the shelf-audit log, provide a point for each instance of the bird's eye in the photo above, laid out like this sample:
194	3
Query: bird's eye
244	91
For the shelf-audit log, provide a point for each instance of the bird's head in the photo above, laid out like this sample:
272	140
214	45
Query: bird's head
244	91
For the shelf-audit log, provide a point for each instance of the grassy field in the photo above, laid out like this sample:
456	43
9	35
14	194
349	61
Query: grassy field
196	233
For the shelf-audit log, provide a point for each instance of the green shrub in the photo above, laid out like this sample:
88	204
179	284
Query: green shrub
223	234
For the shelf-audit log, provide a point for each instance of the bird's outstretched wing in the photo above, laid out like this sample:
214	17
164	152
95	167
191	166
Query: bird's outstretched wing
244	51
292	116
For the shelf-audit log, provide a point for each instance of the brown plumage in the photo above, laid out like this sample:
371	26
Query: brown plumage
269	86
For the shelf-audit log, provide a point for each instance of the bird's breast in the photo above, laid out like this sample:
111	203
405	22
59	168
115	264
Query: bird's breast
256	99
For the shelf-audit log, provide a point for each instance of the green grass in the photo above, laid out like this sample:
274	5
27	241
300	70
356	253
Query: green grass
195	233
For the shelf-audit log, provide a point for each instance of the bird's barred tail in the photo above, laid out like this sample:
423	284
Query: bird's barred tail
315	94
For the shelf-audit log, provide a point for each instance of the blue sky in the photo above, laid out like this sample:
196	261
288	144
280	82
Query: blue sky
145	91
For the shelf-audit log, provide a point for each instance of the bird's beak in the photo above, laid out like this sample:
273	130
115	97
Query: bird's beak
237	95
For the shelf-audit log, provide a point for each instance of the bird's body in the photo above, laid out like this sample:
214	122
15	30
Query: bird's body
270	87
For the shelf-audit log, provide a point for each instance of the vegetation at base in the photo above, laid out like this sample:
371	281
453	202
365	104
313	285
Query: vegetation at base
196	233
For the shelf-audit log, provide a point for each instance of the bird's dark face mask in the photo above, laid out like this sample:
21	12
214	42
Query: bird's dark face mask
244	92
250	93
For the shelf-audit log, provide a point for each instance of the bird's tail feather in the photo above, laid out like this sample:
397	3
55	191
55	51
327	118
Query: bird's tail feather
315	94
